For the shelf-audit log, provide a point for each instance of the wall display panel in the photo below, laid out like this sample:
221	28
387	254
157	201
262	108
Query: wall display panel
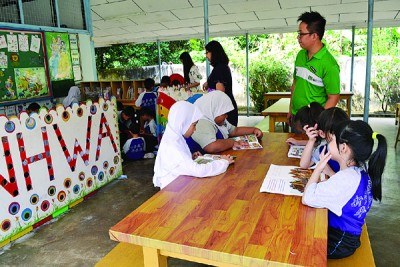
52	159
23	70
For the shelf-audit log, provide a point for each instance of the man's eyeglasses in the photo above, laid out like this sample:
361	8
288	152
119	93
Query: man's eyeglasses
301	34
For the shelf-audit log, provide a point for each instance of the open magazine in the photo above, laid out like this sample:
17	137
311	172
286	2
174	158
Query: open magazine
250	140
286	180
206	158
295	151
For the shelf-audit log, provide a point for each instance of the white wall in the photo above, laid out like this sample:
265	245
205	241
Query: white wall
88	61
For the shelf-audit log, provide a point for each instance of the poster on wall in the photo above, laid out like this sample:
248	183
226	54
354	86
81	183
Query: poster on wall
75	57
59	56
31	82
23	70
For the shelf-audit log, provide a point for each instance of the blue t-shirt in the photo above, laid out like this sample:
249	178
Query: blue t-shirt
135	148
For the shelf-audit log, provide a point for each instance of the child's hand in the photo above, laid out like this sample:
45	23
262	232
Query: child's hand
311	132
291	141
229	158
324	157
195	155
258	133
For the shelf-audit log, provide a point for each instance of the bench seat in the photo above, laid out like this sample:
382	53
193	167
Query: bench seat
123	255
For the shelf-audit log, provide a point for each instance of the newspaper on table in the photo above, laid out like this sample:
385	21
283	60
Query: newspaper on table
250	142
286	180
295	151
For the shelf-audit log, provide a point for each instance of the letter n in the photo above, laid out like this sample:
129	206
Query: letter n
11	185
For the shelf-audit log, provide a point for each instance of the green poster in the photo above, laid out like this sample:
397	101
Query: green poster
59	56
31	82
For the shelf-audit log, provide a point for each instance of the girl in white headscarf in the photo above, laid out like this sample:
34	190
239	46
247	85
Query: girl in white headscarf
213	130
74	95
174	157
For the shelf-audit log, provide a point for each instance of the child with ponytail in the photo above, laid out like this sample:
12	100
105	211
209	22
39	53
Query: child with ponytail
348	194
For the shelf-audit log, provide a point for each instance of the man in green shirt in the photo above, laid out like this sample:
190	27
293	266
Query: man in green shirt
316	76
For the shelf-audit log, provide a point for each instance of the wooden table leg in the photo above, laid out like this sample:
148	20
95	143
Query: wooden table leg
271	124
153	258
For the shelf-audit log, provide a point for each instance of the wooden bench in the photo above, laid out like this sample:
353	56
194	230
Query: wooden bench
362	257
123	255
277	113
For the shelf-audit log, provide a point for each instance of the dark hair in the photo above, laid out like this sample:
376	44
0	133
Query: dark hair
120	106
165	80
135	128
147	111
129	111
329	118
218	55
358	136
149	84
308	115
33	107
187	64
315	22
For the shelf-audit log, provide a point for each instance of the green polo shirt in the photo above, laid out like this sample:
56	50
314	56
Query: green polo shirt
316	78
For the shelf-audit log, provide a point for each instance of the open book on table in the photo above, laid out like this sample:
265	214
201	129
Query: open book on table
250	142
286	180
206	158
295	151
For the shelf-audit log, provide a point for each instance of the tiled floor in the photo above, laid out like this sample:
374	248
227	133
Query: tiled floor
80	237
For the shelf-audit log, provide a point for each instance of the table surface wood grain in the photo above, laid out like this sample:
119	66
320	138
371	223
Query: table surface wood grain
225	218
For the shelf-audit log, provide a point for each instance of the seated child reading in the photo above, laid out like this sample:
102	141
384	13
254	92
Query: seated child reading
125	118
213	130
174	157
148	98
307	115
134	148
328	120
348	194
149	133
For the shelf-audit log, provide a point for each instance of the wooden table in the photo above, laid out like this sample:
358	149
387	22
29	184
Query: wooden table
225	220
278	95
277	112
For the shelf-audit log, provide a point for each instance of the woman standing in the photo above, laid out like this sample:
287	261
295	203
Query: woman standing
221	77
191	72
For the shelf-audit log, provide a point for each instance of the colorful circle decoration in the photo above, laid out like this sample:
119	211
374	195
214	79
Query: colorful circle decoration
13	208
34	199
89	182
100	177
112	170
48	118
105	165
76	189
105	106
67	182
116	160
61	196
80	112
93	109
26	214
5	225
14	57
94	170
45	205
30	123
81	176
65	116
52	190
9	126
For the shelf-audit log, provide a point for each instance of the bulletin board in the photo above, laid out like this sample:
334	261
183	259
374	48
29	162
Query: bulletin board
23	70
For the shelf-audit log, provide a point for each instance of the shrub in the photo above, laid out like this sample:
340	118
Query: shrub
267	75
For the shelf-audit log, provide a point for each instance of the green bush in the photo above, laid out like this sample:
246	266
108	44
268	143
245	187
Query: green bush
267	75
386	83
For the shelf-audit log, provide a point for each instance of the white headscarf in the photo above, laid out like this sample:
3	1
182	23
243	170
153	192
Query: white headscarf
74	95
173	149
213	105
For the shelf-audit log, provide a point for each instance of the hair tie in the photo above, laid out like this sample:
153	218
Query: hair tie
374	134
